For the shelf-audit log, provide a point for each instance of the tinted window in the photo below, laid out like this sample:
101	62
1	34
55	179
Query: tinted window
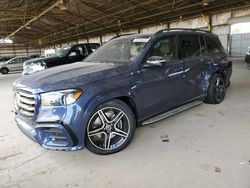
81	50
92	48
212	46
203	45
23	59
14	61
189	46
165	47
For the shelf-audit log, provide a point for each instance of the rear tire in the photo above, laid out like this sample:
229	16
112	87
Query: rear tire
4	70
110	128
216	90
228	84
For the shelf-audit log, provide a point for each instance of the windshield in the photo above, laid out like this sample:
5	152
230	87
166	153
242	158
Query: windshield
61	52
119	50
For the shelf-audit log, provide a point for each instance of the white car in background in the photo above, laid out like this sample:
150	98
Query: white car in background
14	64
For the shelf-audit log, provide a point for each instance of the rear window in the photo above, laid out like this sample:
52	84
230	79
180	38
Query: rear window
189	46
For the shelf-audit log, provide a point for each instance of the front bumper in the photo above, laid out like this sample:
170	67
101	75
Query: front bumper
57	127
54	136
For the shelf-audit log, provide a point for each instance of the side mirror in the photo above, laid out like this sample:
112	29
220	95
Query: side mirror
72	54
155	61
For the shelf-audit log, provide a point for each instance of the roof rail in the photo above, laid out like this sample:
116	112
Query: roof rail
122	35
180	29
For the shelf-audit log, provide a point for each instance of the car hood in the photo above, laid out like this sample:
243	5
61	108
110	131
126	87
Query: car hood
70	76
3	63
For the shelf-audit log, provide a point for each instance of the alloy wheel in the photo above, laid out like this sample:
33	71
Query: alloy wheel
108	128
219	89
4	71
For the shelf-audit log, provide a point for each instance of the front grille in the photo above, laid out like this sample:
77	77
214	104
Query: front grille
25	103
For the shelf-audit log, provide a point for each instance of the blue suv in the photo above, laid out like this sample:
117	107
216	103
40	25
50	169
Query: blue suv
130	80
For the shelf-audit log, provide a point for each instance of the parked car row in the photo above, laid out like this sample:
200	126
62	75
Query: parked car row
128	81
65	55
14	64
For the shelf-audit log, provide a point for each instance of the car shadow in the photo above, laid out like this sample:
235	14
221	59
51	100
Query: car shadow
15	72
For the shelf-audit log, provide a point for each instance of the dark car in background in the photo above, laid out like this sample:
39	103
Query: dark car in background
14	64
4	59
130	80
65	55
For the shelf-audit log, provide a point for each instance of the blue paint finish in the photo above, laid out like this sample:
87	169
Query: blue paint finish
152	90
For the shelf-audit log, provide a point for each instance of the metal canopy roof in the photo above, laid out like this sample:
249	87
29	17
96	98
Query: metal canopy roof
48	22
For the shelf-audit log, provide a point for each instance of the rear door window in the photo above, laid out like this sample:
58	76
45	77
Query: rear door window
23	59
15	61
188	46
212	46
203	45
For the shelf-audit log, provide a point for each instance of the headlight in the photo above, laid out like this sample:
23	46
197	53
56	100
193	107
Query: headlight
34	67
60	98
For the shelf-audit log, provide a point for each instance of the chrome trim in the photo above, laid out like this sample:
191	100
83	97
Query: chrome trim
25	103
28	101
26	107
26	94
172	112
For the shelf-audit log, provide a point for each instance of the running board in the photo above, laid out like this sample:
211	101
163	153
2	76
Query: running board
171	112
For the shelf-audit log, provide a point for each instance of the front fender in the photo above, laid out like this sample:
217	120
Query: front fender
106	96
85	108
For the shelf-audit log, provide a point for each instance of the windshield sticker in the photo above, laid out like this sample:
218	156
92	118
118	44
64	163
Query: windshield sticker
141	39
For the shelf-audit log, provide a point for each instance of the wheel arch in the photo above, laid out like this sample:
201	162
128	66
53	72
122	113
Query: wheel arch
126	99
4	68
130	102
102	98
220	71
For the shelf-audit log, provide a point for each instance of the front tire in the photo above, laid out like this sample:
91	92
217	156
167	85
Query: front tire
110	128
4	71
216	90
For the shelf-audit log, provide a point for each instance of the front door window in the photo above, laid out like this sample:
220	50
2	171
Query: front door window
165	47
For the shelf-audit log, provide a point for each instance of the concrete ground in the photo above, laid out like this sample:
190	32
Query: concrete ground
204	147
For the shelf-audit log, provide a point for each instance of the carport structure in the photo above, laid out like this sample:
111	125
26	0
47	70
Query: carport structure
49	22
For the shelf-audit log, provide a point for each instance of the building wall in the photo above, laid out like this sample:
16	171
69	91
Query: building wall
240	43
11	50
